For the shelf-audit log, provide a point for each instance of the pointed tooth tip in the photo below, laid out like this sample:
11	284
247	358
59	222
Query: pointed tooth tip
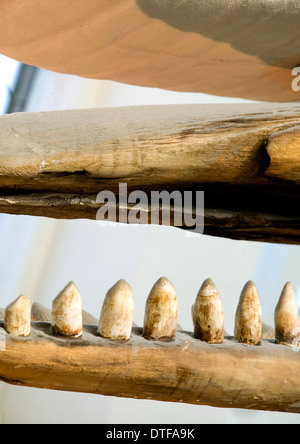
287	298
250	285
289	288
19	302
162	287
164	282
122	284
120	290
208	282
71	286
288	292
69	290
249	295
208	289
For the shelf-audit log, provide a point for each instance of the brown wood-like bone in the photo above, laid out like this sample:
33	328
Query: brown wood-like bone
244	157
186	370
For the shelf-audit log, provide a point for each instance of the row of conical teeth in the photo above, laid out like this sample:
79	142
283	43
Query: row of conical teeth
161	314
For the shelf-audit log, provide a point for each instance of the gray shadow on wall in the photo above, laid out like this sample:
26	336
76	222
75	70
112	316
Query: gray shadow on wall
268	29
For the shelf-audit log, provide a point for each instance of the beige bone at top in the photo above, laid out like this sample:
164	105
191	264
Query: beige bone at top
170	44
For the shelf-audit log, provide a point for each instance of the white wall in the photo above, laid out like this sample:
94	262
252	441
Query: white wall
39	257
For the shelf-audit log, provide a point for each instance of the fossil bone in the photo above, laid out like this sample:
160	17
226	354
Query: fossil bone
17	319
161	311
185	147
67	312
248	322
184	370
116	318
208	317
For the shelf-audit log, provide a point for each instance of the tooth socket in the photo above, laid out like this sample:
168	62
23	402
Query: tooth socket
17	318
116	317
161	312
67	312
